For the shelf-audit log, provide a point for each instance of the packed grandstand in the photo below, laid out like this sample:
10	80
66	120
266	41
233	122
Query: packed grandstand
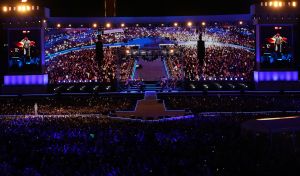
142	96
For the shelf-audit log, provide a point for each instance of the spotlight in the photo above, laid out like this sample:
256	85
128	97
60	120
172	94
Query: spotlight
95	25
58	25
270	3
175	24
189	24
171	51
203	23
241	22
108	25
82	88
294	4
5	9
127	51
70	25
96	88
193	86
137	25
123	25
108	88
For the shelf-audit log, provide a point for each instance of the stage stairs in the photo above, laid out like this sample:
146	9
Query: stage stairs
150	107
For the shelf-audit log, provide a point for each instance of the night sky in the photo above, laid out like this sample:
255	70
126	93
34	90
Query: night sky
86	8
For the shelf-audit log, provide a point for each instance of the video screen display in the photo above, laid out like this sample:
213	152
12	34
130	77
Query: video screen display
24	51
71	55
276	47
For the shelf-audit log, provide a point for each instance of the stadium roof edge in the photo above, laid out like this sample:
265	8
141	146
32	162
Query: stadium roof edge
156	19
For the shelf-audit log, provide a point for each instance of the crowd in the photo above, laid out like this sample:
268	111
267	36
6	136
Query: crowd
76	66
96	145
228	62
62	39
81	66
184	63
220	63
58	105
230	34
126	68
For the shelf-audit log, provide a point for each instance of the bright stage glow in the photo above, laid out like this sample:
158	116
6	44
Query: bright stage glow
241	22
23	0
95	25
203	23
189	24
58	25
123	25
175	24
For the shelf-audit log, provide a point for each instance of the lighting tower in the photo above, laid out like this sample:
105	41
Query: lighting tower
110	8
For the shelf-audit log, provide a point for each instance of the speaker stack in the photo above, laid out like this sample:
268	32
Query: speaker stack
201	50
99	50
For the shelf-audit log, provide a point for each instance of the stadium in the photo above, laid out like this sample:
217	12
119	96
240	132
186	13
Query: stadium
133	91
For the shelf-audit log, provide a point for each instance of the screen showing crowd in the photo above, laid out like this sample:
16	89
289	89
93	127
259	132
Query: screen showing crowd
276	49
24	51
70	52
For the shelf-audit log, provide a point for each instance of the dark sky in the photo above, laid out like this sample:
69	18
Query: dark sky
87	8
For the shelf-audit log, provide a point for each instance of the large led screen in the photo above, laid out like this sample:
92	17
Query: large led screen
24	51
70	53
276	47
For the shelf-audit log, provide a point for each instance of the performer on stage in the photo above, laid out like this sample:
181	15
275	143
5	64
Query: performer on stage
26	45
278	41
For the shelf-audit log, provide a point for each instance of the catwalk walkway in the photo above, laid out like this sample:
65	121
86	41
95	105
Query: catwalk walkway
150	107
151	70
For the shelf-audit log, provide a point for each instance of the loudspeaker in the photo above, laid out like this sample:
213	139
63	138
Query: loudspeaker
99	52
201	51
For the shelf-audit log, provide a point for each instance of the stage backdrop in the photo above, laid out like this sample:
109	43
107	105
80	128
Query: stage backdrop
70	52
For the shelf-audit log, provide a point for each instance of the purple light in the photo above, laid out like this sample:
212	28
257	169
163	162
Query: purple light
11	80
260	76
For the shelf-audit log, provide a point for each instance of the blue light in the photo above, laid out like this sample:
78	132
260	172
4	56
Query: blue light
12	80
260	76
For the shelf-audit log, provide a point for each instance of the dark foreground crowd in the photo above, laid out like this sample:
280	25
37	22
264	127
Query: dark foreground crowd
233	103
97	145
